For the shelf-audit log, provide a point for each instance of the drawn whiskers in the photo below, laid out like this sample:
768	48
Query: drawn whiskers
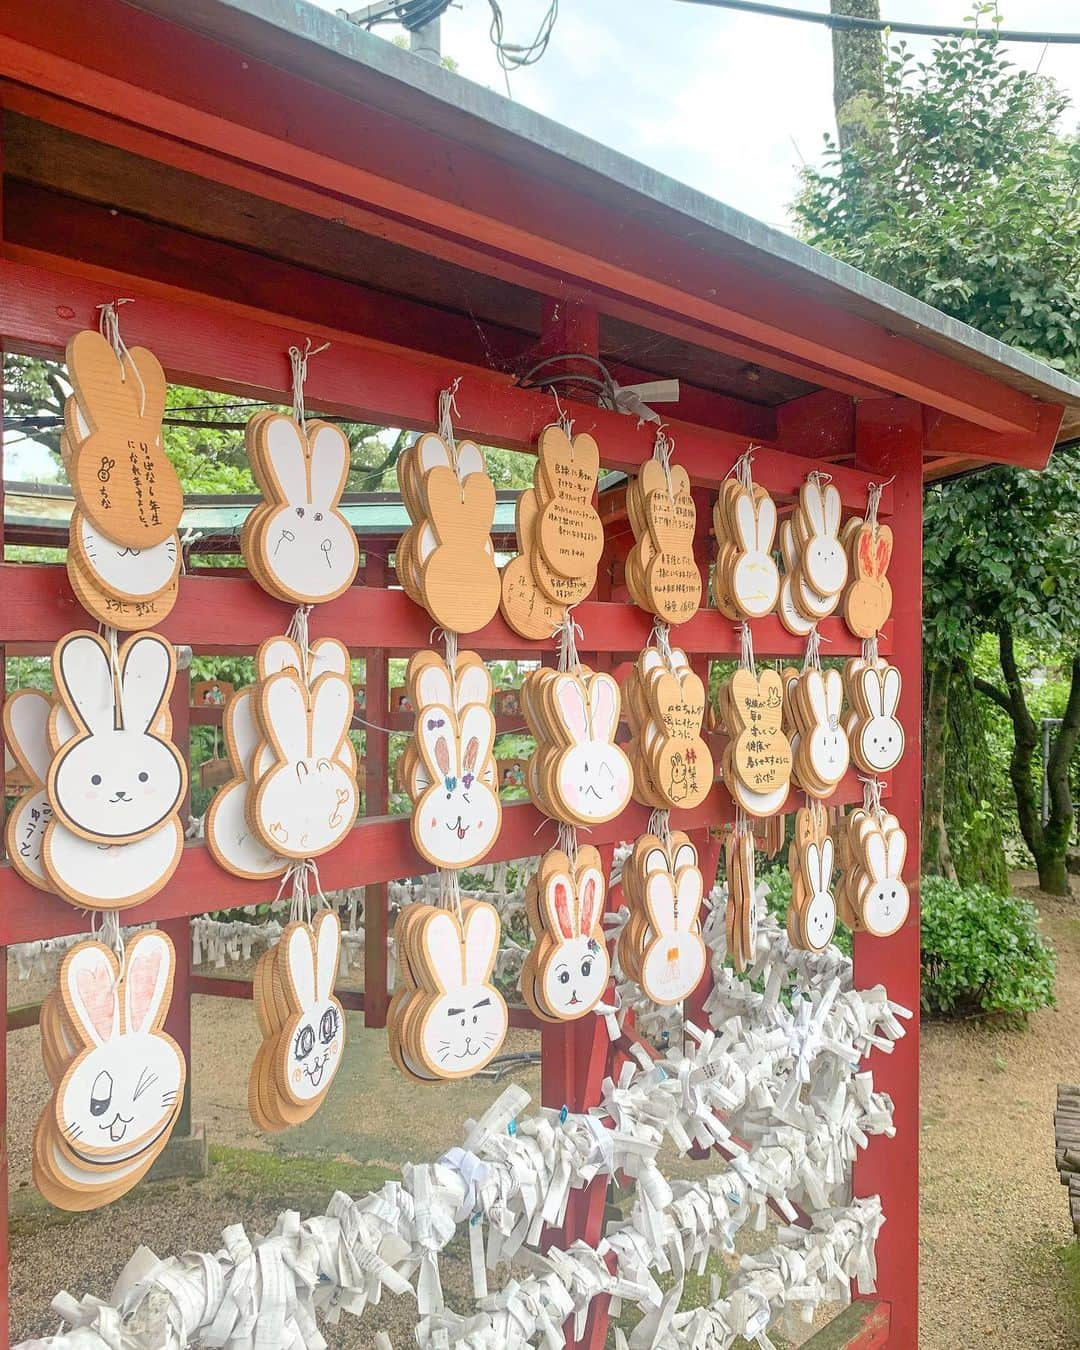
146	1079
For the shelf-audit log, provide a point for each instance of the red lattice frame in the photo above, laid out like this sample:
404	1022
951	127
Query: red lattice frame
211	344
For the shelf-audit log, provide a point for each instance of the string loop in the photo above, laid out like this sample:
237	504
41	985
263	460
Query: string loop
298	361
109	328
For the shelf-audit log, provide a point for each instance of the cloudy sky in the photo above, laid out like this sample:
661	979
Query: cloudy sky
729	103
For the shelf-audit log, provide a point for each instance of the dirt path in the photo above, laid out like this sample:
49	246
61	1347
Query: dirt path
993	1210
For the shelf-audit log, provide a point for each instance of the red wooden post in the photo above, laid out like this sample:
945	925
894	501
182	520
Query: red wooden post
889	441
178	1019
376	801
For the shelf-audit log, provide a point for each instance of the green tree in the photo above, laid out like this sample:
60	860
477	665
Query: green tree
966	193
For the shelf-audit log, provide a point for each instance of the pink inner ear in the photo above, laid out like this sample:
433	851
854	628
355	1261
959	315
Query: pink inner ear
562	910
866	560
884	553
604	714
142	979
96	991
588	906
442	756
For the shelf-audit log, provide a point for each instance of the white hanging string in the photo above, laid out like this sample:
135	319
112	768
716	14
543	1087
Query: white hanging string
870	650
112	637
819	478
111	936
298	632
566	839
872	790
109	328
812	657
301	874
566	635
298	360
660	825
663	447
746	647
448	410
564	420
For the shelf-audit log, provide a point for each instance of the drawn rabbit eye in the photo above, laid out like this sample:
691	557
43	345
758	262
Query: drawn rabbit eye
305	1042
324	766
144	777
564	977
318	515
328	1026
586	967
95	778
300	512
101	1091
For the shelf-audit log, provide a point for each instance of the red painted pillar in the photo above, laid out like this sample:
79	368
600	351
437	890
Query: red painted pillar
178	1020
376	801
889	440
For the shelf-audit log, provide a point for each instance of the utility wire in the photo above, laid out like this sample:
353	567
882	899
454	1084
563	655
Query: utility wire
847	21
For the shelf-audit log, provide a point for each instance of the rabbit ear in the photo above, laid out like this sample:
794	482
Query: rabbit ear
81	665
444	496
241	729
328	654
812	501
151	397
327	952
433	686
890	692
897	852
833	508
815	693
470	459
331	713
328	463
476	737
655	861
591	895
275	655
284	714
473	685
834	693
146	677
26	731
285	457
603	707
660	898
826	863
300	958
440	939
688	890
746	521
559	902
147	975
431	452
788	550
873	691
883	551
876	857
811	865
766	524
571	702
436	734
481	931
685	856
103	393
88	978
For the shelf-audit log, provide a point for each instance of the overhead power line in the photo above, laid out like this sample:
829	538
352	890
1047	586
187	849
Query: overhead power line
846	21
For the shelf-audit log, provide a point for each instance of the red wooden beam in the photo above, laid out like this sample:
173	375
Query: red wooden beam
232	615
950	436
203	93
219	344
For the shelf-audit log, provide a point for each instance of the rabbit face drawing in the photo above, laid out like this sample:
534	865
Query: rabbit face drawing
577	971
306	803
886	901
306	544
456	818
121	1093
313	1041
674	961
465	1024
881	738
593	775
118	780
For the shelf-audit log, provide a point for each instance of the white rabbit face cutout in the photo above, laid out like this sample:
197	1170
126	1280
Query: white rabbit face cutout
126	573
824	559
593	775
305	548
819	915
674	961
313	1041
121	1094
885	901
575	973
881	738
829	750
118	781
466	1023
229	835
306	804
755	577
115	876
457	817
26	716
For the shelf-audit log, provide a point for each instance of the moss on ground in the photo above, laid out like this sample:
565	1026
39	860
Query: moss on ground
1069	1258
290	1180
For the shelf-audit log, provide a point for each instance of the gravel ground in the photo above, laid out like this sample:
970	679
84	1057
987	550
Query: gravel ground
993	1210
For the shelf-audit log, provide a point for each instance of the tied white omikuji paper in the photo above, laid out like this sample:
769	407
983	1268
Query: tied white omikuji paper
775	1089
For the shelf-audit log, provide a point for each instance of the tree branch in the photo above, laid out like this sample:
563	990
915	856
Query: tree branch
1059	826
992	692
1025	740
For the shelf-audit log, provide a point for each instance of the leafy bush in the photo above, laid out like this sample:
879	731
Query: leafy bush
982	953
